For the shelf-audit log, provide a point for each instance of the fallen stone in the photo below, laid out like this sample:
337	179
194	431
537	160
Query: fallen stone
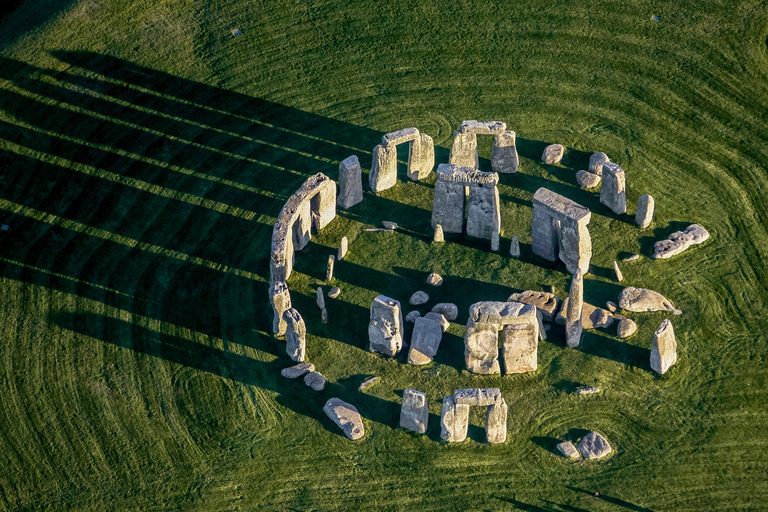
664	351
679	241
378	230
448	310
496	422
567	449
343	248
514	247
439	236
298	370
641	300
315	380
350	183
611	306
596	162
295	335
414	412
546	303
329	269
367	383
324	316
385	328
418	298
587	391
320	298
477	396
335	292
591	317
454	420
587	179
412	316
594	446
434	279
644	214
440	319
553	154
389	225
425	341
613	193
634	257
617	271
346	416
626	328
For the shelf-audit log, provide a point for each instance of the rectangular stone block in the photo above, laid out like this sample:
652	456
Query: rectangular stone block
425	341
483	215
482	127
414	412
481	348
664	350
464	150
280	299
295	335
350	182
323	204
454	421
613	192
383	174
520	348
302	226
385	328
496	422
575	245
544	241
448	207
421	157
477	396
504	159
400	136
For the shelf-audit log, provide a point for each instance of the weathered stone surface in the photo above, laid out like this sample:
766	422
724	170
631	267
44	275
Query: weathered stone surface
553	154
454	420
481	348
483	127
440	319
385	329
626	328
448	310
295	335
399	136
383	174
280	298
641	300
412	316
587	391
324	316
329	268
421	157
587	179
418	298
591	317
346	416
439	236
594	446
464	150
496	422
367	383
434	279
448	205
504	159
334	292
298	370
574	313
388	224
617	271
558	221
514	247
545	302
596	162
644	214
450	196
679	241
350	183
477	396
569	451
613	193
315	380
481	339
414	412
634	257
425	341
521	345
483	211
495	241
343	248
611	306
542	330
664	351
320	301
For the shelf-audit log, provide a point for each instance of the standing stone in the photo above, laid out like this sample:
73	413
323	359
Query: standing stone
496	422
343	248
553	154
384	168
596	162
324	316
350	183
421	157
504	158
454	420
425	341
483	213
295	336
481	348
385	329
644	215
613	193
573	326
320	298
520	349
414	413
329	270
464	150
346	417
617	271
594	446
664	351
495	241
514	247
448	204
280	298
439	237
559	229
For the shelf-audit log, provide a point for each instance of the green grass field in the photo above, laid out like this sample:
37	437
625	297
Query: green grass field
145	152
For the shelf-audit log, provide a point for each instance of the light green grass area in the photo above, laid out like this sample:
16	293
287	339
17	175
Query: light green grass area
145	152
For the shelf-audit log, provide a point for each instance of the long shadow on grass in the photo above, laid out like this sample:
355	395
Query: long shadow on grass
615	501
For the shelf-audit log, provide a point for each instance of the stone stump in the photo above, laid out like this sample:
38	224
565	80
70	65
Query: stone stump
573	326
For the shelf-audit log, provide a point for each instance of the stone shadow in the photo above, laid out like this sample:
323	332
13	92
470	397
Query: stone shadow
548	443
660	233
622	352
613	500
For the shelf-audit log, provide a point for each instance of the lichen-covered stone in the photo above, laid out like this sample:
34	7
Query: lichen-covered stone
350	183
594	446
587	391
329	268
553	154
425	341
477	396
454	420
596	162
496	422
568	451
514	247
560	222
400	136
626	328
421	157
414	412
412	316
280	299
483	211
295	335
613	193
464	150
343	248
521	345
664	351
641	300
383	174
434	279
334	292
545	302
367	383
346	416
679	241
439	237
591	317
574	314
440	319
483	127
644	214
504	159
587	179
617	271
385	328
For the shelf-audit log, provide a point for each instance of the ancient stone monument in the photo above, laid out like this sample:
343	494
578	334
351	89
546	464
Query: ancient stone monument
613	193
521	337
343	248
644	214
346	417
385	331
560	229
587	179
679	241
594	446
280	298
546	303
573	325
664	351
504	158
295	336
425	341
553	154
642	299
464	147
421	158
350	183
483	216
454	419
414	412
596	162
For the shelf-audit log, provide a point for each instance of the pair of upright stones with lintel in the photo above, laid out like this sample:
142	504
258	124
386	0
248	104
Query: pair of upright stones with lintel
421	158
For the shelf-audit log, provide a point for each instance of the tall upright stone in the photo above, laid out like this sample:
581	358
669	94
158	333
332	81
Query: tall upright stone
350	183
454	420
573	325
613	193
414	412
421	157
320	301
385	330
448	203
383	168
280	299
464	150
559	229
295	335
483	213
664	351
329	268
496	422
481	348
617	271
504	158
343	248
645	207
596	162
521	345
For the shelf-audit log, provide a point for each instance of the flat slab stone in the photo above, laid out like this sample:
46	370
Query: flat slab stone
587	391
587	179
315	380
427	335
641	300
679	241
448	310
414	411
553	154
418	298
545	302
346	416
367	383
297	371
594	446
664	350
400	136
477	396
568	451
591	317
482	127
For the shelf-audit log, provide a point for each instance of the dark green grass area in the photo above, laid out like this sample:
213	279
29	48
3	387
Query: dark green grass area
145	152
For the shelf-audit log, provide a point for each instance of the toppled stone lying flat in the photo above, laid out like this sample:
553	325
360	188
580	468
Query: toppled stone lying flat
553	154
587	391
367	383
477	396
567	449
634	257
440	319
435	279
611	306
596	162
545	302
679	241
425	341
641	300
346	416
412	316
389	224
418	298
448	310
591	317
297	370
594	446
315	380
586	179
414	411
